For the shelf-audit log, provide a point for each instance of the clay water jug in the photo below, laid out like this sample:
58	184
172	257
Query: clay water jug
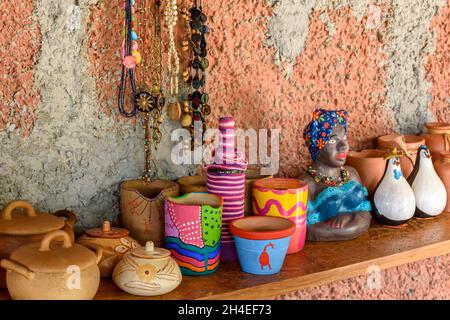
442	167
437	138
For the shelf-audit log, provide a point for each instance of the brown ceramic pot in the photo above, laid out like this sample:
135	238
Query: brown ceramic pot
114	241
142	208
412	145
190	184
19	228
442	167
251	175
50	270
437	138
370	165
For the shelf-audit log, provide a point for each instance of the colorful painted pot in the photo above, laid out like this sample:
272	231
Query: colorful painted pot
412	142
251	175
287	198
262	243
193	228
437	137
192	184
142	208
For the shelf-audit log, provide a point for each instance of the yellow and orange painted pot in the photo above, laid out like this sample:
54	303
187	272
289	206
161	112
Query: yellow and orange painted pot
283	197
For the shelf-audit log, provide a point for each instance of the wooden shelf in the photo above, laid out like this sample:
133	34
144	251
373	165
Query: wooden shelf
317	264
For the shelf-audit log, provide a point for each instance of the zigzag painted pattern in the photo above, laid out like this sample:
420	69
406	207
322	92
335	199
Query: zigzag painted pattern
281	210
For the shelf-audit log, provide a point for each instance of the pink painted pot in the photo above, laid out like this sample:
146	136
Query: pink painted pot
287	198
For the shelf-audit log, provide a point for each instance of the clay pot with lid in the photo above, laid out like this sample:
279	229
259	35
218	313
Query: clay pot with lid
147	271
442	167
412	142
115	242
437	137
370	164
142	208
19	228
53	270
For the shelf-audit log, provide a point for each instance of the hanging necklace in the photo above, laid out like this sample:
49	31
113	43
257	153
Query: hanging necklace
330	181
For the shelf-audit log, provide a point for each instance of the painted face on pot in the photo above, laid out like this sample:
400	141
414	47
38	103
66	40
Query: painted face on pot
334	153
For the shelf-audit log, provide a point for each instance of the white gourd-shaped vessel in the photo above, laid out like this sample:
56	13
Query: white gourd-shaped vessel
393	201
429	190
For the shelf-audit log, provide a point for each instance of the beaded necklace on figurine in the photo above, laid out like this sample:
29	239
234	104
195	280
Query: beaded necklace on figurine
330	181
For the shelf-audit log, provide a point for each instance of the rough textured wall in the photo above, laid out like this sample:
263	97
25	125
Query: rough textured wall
426	279
272	62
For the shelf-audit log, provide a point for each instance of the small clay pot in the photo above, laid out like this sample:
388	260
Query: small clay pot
413	143
192	184
437	137
251	175
286	198
51	270
262	243
147	271
17	229
193	230
114	241
370	164
142	208
442	167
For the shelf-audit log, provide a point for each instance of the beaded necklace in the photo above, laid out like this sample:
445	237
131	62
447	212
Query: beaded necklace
330	181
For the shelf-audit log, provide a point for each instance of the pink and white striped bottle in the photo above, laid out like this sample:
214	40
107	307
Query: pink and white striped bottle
226	178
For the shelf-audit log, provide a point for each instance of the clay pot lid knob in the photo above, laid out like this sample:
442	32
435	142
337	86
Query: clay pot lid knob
149	246
106	226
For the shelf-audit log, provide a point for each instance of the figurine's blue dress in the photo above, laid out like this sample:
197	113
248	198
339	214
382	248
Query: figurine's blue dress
350	197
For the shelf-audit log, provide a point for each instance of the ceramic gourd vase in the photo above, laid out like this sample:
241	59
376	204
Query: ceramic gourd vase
286	198
437	138
251	175
394	201
147	271
442	167
370	165
114	241
412	144
192	184
429	190
142	208
226	178
193	230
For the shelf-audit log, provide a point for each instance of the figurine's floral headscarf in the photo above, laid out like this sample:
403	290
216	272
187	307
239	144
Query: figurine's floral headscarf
318	131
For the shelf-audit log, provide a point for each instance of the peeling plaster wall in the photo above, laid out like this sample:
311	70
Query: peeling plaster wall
271	63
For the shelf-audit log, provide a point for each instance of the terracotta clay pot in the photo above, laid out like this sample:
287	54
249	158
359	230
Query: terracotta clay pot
251	175
413	143
19	228
286	198
193	230
147	271
442	167
50	270
370	165
142	208
192	184
114	241
437	137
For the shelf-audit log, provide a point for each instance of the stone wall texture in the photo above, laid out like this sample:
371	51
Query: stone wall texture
272	62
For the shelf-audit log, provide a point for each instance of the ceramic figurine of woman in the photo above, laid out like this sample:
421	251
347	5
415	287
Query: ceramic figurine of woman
338	208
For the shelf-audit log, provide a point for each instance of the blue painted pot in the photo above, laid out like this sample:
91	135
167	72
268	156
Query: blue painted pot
262	243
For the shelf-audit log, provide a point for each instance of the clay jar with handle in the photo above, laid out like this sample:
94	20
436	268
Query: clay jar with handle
19	228
142	208
147	271
53	270
442	167
370	165
437	137
251	175
192	184
412	144
114	241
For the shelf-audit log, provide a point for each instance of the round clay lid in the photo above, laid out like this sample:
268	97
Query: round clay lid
150	252
55	253
29	222
106	231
